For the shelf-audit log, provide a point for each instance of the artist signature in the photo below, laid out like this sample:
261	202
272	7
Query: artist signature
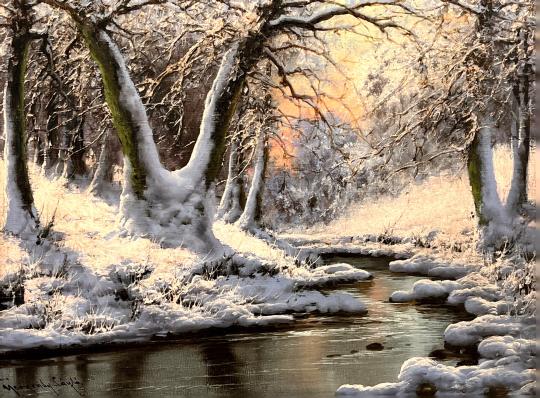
54	385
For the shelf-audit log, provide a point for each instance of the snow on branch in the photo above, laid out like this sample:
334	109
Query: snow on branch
466	6
311	21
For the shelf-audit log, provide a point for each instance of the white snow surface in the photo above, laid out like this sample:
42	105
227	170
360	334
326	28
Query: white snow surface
431	266
76	305
505	362
425	289
467	333
509	372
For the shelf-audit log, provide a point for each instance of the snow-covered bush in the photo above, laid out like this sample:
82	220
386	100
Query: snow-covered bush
320	181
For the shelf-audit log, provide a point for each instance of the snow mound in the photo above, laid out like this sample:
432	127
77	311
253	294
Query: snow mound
328	274
430	266
425	289
419	374
504	346
126	302
479	306
468	333
460	296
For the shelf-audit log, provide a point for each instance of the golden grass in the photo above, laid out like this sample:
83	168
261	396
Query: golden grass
243	242
443	203
85	222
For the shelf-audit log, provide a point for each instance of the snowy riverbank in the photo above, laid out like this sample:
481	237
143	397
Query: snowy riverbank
503	333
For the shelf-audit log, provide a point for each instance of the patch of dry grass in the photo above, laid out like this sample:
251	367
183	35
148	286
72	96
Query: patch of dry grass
443	203
243	242
88	225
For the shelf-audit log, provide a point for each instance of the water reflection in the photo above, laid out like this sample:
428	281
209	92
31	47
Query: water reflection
309	361
223	368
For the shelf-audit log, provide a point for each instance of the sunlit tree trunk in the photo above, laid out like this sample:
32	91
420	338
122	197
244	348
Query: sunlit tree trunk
482	175
521	141
103	172
128	113
233	200
220	107
252	214
21	214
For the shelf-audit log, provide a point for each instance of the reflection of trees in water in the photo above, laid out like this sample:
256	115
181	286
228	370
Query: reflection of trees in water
223	368
52	371
128	371
81	369
25	375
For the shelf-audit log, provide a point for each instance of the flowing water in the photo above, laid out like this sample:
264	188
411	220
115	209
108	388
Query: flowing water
310	359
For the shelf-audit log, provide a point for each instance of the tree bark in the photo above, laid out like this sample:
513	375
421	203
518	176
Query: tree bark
52	128
220	106
129	116
21	213
103	172
252	215
77	166
233	200
521	138
482	175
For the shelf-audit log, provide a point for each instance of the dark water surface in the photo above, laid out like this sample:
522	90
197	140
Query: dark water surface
309	360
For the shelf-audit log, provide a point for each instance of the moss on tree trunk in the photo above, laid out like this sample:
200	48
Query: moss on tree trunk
123	119
15	108
474	167
260	191
249	53
225	110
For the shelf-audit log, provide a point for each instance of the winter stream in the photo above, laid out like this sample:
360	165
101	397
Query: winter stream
311	358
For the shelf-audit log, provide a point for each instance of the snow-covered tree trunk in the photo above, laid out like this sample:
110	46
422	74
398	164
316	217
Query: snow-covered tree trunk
52	130
21	214
220	106
103	172
234	197
251	217
172	208
521	137
482	175
493	220
141	161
